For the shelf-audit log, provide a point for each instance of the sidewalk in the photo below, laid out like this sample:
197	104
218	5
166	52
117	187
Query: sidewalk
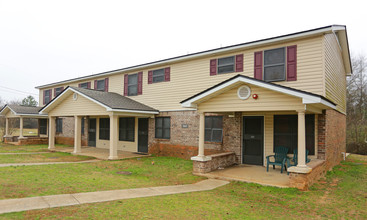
42	202
44	163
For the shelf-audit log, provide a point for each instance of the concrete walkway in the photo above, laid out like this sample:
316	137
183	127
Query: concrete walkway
44	163
42	202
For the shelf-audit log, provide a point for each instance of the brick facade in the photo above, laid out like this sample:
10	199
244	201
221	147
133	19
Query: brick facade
184	140
67	135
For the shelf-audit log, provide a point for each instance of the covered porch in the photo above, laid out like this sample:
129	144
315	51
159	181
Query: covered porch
22	113
255	117
100	153
116	124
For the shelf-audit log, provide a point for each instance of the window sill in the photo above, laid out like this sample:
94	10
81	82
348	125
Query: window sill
210	142
162	139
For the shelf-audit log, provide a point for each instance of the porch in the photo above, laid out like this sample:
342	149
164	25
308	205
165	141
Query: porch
258	174
251	174
17	117
117	126
100	153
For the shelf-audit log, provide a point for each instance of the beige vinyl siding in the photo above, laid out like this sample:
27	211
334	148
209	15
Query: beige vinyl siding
267	101
81	106
335	78
190	77
121	145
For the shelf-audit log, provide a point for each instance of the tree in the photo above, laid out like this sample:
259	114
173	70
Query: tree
356	106
29	101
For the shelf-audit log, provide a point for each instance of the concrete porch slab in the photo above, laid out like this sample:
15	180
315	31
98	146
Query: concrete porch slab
100	153
252	174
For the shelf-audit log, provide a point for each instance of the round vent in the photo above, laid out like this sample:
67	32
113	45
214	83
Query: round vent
75	96
244	92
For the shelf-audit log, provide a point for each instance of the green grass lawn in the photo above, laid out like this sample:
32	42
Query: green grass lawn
26	181
6	148
341	195
42	157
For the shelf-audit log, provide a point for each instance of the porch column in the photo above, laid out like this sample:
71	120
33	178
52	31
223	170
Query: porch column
21	127
113	137
7	127
77	135
301	166
201	156
51	133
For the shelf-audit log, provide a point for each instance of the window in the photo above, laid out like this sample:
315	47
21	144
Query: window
126	129
162	127
84	85
43	126
286	132
213	128
58	90
100	85
158	75
274	65
226	65
58	125
47	97
104	129
132	84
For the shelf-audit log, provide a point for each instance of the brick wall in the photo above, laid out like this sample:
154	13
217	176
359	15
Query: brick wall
304	181
220	160
67	135
335	137
184	141
321	128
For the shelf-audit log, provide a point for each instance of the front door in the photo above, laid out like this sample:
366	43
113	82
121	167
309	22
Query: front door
253	140
143	135
92	124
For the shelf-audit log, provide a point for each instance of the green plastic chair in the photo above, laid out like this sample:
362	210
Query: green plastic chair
280	158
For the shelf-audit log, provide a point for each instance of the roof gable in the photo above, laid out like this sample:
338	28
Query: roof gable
307	98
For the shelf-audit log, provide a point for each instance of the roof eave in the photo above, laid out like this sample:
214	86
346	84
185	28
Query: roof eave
206	53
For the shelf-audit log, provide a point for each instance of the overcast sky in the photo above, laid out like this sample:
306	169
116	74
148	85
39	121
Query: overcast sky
48	41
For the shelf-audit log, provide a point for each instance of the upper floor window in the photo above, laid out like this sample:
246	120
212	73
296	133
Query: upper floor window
226	65
85	85
46	96
213	128
274	65
58	90
100	85
132	85
277	64
159	75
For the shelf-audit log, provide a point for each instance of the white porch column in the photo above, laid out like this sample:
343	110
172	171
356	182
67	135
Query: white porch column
21	127
7	127
301	166
51	133
113	137
77	134
201	156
